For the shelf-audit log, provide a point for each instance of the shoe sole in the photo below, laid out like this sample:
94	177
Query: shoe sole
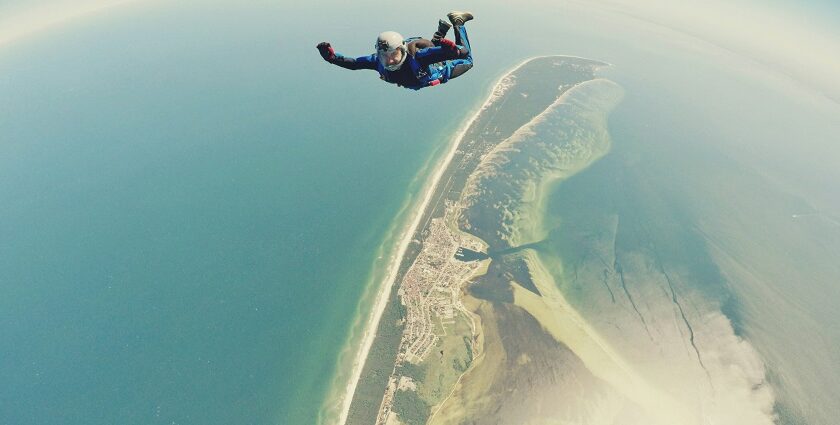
452	14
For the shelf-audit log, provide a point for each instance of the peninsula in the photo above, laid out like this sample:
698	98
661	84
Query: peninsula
427	334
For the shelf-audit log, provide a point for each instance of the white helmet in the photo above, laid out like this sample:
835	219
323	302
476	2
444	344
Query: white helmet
387	44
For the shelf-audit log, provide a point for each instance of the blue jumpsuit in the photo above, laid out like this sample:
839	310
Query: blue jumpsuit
426	64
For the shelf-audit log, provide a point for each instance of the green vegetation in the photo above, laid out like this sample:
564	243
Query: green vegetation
448	362
411	409
378	367
413	371
458	365
468	344
461	365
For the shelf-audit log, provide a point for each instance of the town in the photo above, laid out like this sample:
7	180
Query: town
430	292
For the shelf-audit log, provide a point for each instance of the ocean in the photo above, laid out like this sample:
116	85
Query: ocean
192	204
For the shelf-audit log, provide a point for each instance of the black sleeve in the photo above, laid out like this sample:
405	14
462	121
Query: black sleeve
362	62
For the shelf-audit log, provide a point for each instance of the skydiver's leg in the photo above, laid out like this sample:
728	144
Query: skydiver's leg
443	28
461	39
458	67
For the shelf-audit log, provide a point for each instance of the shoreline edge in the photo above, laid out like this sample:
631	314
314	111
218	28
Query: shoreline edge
382	294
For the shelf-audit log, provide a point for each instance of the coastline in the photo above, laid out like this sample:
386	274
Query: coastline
381	299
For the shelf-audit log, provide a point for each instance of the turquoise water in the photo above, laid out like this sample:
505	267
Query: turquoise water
191	201
191	204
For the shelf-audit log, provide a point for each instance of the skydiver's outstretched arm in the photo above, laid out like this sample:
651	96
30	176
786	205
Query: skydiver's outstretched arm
329	55
361	62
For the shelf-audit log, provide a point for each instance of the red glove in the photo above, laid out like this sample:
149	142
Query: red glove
449	44
327	52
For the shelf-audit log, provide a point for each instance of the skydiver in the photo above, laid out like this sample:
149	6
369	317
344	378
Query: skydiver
414	63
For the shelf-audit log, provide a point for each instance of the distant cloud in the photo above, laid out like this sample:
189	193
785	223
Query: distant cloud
22	21
792	41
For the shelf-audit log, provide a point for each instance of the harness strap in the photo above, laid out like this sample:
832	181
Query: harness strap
430	76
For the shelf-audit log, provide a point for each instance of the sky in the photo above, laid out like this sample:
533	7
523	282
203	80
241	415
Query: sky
799	40
795	39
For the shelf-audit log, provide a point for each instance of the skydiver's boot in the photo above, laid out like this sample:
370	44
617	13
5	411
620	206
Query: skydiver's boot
459	18
443	28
